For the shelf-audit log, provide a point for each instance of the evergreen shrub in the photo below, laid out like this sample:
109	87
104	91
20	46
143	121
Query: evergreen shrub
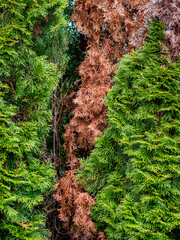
27	81
133	172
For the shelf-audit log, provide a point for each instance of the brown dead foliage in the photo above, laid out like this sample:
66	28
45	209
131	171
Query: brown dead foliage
109	26
167	11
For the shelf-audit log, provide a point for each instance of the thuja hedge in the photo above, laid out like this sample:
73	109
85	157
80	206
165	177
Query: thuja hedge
27	81
133	172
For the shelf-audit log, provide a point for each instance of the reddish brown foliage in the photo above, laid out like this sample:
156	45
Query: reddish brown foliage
109	27
75	208
168	11
24	225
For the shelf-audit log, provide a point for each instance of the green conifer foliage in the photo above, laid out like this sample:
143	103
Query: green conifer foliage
27	81
134	170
